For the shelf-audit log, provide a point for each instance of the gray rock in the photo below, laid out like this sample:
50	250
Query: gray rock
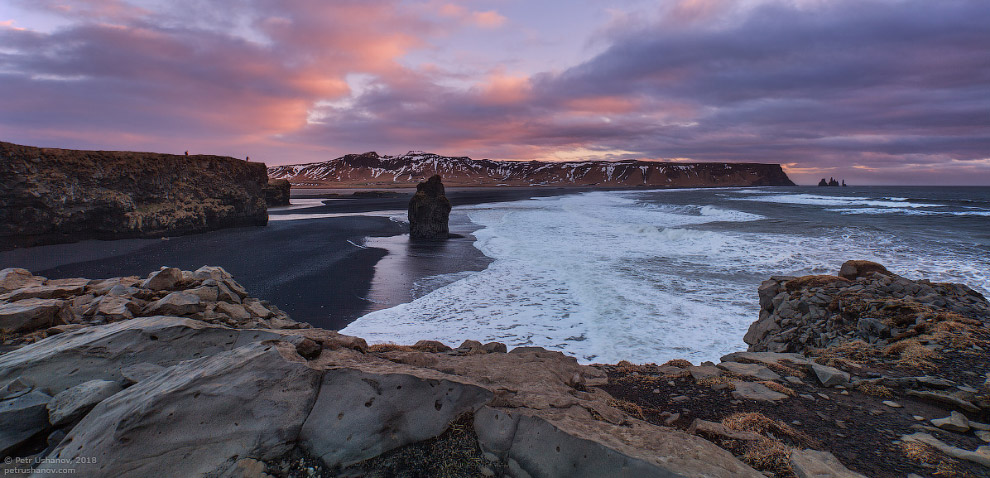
140	371
819	464
829	376
69	405
15	388
12	279
197	418
21	418
700	372
749	370
164	279
176	303
533	446
756	391
871	329
767	358
30	314
359	415
955	422
65	360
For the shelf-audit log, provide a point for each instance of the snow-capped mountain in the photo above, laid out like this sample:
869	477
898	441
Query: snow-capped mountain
374	171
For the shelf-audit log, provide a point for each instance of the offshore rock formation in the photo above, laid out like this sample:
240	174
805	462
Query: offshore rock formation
429	211
372	170
230	387
831	182
277	192
56	195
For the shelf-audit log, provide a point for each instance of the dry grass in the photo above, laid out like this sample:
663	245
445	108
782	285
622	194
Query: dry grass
929	455
813	281
711	382
390	347
679	363
778	388
769	455
768	427
785	370
911	354
856	351
628	407
955	333
875	390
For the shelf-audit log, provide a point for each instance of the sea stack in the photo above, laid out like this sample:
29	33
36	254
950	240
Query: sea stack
429	211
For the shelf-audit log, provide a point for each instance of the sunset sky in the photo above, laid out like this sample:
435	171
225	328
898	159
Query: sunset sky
872	91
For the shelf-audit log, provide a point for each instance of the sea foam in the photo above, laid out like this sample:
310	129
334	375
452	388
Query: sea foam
608	276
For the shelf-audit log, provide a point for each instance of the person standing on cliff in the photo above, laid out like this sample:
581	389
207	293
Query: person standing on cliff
187	152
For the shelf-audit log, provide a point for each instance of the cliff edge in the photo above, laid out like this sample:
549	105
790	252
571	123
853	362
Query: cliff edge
50	196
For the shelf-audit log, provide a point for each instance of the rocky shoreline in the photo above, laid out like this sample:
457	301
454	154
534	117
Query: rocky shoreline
183	373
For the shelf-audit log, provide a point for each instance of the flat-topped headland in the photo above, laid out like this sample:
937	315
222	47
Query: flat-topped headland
371	170
50	195
184	373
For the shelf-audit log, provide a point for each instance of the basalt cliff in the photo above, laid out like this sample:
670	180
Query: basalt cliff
52	195
183	373
369	170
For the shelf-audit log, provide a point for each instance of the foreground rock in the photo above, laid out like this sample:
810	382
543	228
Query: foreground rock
429	211
52	195
235	388
211	395
891	379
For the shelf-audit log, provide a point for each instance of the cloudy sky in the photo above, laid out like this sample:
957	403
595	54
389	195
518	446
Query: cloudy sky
873	91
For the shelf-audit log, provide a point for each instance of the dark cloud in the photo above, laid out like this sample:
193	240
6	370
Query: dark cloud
856	89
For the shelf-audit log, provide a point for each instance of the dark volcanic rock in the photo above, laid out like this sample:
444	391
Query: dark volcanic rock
429	211
277	192
51	195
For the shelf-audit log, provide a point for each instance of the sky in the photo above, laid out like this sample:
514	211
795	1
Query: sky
870	91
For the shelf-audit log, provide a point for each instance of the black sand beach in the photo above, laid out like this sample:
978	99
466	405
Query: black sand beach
311	260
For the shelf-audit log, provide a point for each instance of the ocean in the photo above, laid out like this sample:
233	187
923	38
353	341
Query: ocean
648	276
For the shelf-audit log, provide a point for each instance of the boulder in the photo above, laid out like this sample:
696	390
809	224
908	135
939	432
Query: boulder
829	376
854	269
955	422
164	279
756	391
712	430
749	370
21	418
429	211
70	405
197	418
117	307
234	311
13	278
819	464
30	314
176	303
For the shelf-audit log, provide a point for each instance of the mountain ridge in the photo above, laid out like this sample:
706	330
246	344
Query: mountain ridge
373	170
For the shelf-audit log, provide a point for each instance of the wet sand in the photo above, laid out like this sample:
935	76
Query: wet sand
321	263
